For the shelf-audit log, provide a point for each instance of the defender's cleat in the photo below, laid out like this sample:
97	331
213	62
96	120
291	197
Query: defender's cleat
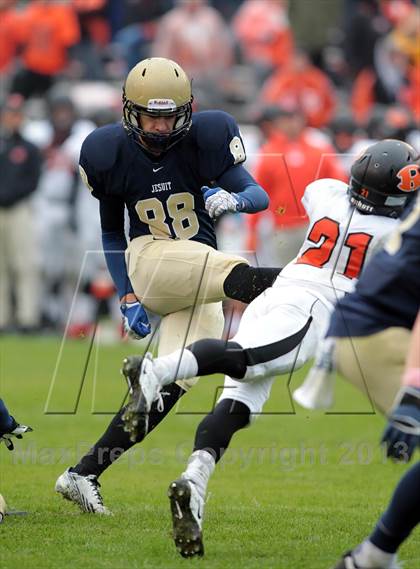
187	508
348	562
144	389
83	491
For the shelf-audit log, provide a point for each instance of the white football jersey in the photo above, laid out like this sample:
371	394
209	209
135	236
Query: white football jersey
339	241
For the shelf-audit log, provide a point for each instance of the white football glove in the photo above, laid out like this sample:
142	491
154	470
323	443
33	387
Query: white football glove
17	432
218	201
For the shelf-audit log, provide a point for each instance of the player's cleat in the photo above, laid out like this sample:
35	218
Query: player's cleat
348	562
187	507
83	491
144	389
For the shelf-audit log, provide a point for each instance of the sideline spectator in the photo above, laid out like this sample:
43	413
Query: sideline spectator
394	75
9	22
363	25
290	159
139	20
20	164
47	31
95	35
195	35
302	84
263	31
60	138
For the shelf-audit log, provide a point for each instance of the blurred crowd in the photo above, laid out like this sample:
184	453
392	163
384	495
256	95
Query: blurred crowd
311	83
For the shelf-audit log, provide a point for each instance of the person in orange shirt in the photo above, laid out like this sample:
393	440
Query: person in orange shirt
393	78
194	34
9	22
263	31
303	84
47	30
291	158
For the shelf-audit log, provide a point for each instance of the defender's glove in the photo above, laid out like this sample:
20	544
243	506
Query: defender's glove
16	431
135	321
402	434
218	201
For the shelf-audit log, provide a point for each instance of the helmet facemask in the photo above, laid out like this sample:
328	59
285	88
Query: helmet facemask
153	141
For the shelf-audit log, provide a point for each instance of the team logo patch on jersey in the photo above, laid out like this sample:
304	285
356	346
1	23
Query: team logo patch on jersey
410	178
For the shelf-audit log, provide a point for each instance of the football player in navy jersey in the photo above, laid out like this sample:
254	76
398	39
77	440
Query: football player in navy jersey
377	319
174	173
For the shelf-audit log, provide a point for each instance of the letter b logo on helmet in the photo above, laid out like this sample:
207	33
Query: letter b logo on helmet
409	177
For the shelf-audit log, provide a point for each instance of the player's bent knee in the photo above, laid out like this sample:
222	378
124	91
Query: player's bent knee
216	356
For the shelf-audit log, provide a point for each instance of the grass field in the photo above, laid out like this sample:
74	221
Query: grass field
293	492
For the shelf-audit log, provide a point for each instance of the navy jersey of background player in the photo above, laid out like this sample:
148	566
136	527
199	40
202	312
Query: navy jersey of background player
162	194
388	292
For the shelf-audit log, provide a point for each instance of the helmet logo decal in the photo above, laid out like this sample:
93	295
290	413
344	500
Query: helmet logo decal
161	105
409	177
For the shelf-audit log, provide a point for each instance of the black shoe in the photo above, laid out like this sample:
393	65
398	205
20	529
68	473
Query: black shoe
135	417
187	514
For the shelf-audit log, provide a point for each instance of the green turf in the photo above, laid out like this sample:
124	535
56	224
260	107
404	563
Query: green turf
294	491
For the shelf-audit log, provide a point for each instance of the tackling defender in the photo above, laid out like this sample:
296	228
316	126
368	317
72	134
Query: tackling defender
173	172
367	343
370	336
378	551
281	329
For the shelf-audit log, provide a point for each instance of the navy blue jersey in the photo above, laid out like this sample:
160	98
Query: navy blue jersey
388	292
162	194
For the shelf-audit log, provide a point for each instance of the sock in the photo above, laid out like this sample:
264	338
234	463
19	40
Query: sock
368	556
216	429
181	364
200	467
115	441
402	515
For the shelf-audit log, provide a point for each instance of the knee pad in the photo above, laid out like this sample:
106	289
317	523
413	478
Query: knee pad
215	356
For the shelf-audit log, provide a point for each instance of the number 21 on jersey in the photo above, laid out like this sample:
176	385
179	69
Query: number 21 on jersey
325	233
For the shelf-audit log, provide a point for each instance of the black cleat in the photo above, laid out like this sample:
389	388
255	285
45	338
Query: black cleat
135	416
187	514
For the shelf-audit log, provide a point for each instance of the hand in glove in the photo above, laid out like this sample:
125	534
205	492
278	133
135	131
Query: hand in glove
218	201
402	434
16	431
135	321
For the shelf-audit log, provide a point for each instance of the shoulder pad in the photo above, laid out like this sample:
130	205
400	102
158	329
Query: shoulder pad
327	184
101	147
213	128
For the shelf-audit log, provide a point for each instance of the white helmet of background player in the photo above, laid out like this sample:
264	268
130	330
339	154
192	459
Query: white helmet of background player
157	87
384	178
